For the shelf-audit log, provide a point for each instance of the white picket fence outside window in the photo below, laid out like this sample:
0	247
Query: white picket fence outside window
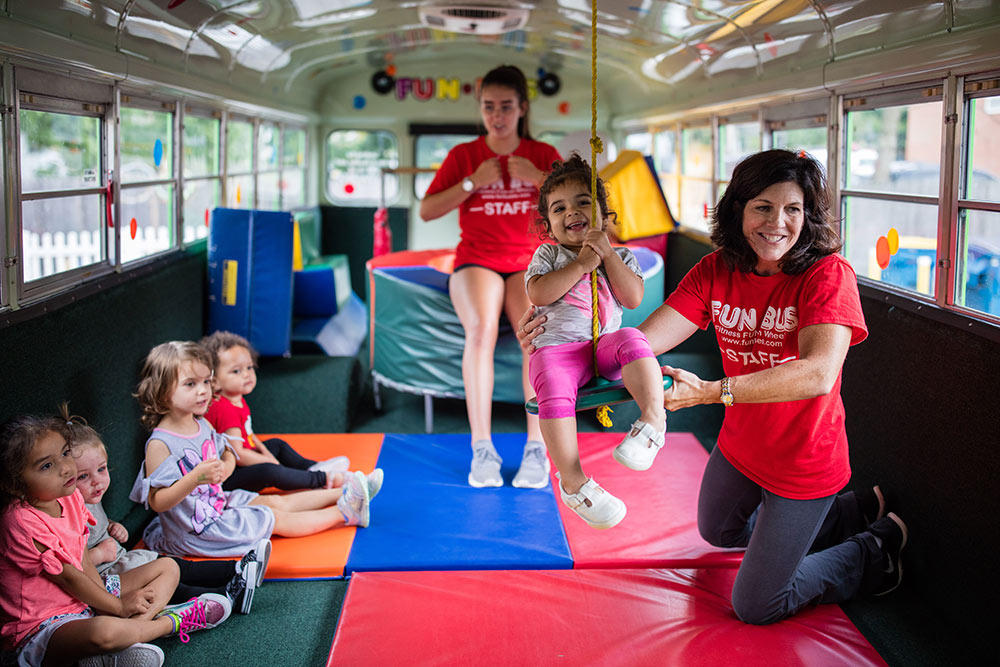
49	253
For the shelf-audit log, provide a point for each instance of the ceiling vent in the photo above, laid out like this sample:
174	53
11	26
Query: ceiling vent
473	19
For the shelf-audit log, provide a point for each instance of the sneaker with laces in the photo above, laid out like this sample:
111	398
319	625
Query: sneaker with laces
354	503
485	469
594	505
639	447
204	612
884	573
260	554
242	586
872	503
535	467
136	655
375	478
335	464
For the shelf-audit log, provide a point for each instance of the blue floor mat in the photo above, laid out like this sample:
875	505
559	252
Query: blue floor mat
427	517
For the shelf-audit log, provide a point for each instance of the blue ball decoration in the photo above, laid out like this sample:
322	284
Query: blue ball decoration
157	152
359	102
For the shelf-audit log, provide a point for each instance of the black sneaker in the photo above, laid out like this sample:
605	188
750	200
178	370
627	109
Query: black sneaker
260	554
892	532
241	587
872	503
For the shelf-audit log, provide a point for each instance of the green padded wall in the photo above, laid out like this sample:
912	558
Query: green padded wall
90	353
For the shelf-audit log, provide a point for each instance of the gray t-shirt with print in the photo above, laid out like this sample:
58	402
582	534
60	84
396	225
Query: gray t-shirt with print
570	316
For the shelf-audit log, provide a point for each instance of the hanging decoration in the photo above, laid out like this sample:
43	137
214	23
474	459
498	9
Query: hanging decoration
382	82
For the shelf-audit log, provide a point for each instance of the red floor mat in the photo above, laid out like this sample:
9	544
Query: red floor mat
578	617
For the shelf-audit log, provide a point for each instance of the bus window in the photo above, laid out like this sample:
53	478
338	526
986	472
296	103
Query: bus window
665	156
202	184
736	141
639	141
147	182
892	181
268	167
62	200
978	285
293	168
430	151
239	164
354	162
696	177
812	140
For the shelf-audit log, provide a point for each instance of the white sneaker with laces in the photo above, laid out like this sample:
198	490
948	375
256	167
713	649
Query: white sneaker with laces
594	505
535	467
485	469
353	504
639	447
375	478
336	464
136	655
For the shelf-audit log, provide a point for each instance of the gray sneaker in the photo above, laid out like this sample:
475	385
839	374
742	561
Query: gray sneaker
485	470
353	504
534	470
136	655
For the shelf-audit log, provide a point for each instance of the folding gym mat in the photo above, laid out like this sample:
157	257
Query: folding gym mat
427	517
660	528
578	617
323	555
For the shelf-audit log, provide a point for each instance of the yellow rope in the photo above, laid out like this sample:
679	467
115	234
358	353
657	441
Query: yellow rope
596	147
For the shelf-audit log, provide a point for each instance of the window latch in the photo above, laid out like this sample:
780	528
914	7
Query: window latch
9	262
951	119
6	109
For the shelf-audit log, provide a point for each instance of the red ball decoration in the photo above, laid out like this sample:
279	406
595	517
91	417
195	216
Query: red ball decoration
391	70
564	108
349	189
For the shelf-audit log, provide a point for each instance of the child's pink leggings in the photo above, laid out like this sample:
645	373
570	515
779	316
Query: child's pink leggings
558	371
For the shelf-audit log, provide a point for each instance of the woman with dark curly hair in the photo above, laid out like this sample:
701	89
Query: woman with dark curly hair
786	308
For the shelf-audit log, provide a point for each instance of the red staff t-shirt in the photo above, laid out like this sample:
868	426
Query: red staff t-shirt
496	220
796	449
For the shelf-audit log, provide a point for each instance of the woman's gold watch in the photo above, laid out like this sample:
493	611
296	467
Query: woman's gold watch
727	396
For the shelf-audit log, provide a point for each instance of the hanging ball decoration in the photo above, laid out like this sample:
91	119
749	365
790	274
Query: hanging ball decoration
133	226
349	189
541	72
206	217
882	252
391	70
157	152
467	88
893	238
389	57
382	82
549	84
564	108
359	102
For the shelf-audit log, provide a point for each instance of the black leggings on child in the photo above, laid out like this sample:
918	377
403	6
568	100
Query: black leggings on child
292	474
202	576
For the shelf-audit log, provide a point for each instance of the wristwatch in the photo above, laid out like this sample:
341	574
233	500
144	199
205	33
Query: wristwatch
727	396
468	184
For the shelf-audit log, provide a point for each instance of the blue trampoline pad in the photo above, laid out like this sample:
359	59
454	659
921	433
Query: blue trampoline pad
427	517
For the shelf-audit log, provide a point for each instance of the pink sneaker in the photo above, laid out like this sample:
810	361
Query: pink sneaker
201	613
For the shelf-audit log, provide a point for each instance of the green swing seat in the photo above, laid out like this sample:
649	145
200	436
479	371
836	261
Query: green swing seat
599	392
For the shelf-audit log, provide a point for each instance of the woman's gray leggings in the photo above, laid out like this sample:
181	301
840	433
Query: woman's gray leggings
796	553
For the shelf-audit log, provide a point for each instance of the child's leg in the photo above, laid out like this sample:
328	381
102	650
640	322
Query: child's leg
301	501
629	350
286	455
161	576
100	635
557	373
560	439
197	577
297	524
263	475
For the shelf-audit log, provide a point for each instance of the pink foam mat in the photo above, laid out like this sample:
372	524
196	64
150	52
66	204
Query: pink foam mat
629	617
660	528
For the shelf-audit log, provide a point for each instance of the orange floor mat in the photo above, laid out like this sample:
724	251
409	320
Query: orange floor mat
323	555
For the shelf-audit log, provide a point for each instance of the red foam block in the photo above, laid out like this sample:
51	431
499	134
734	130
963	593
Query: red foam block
578	617
660	529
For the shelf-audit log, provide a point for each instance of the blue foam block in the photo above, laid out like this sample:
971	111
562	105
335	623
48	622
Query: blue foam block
339	336
427	517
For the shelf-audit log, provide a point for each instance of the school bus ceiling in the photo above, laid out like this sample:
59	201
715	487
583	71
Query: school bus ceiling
655	55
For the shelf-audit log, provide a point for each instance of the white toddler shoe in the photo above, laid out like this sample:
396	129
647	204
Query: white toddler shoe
594	505
639	447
